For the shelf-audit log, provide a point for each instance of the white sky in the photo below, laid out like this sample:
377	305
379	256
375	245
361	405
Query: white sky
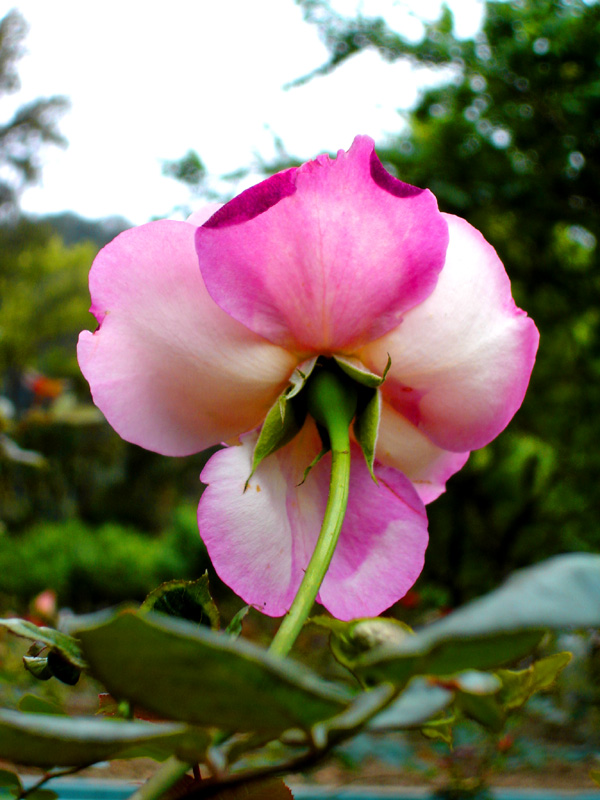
150	80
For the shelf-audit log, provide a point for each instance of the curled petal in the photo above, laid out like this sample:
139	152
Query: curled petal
170	370
329	255
462	359
261	541
403	446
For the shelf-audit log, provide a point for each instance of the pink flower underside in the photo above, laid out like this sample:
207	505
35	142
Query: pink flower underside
260	541
327	257
461	360
404	447
170	370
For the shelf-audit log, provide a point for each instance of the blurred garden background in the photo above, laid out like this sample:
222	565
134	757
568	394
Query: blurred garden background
506	134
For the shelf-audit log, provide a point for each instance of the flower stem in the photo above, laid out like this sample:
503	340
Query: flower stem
323	552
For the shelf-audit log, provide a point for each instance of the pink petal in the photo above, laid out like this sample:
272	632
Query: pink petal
204	213
325	257
260	541
381	550
461	360
403	446
171	371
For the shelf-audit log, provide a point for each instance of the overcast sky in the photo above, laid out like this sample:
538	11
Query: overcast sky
148	81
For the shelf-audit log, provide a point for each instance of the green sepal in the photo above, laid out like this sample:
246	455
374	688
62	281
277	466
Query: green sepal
356	370
519	686
323	452
366	425
299	377
284	419
189	600
351	640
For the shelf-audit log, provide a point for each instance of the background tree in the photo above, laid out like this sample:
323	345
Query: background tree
31	126
512	143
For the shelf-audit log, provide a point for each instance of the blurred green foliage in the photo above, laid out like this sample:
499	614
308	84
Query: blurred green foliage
42	285
89	565
30	128
510	140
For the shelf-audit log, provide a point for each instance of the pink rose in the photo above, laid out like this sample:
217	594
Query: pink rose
201	329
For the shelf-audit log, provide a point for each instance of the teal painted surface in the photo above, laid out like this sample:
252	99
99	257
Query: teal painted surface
74	789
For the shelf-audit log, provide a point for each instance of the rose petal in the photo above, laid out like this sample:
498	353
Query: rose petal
171	371
328	256
261	541
204	213
406	448
461	360
381	549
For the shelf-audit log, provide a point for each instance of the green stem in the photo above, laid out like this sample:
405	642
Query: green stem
323	552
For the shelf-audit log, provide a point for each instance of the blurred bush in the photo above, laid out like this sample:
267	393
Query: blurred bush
510	140
89	566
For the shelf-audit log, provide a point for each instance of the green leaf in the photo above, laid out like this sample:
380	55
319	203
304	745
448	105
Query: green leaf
189	600
32	704
67	646
519	686
38	667
418	703
8	780
471	681
62	669
475	696
366	426
42	794
500	627
484	709
181	671
440	730
55	741
356	370
234	629
364	708
595	776
44	663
